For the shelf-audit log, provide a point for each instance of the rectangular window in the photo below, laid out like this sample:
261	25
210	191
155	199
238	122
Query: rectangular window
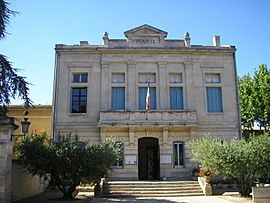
79	100
147	77
80	78
176	98
142	98
118	98
214	99
178	153
118	78
120	159
212	78
175	78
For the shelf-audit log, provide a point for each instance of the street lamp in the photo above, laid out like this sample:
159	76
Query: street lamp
25	124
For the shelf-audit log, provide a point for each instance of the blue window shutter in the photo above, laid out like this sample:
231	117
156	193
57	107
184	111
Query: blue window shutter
176	98
153	103
142	98
214	99
118	98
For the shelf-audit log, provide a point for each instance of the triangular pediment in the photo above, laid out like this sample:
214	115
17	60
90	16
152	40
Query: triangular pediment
145	30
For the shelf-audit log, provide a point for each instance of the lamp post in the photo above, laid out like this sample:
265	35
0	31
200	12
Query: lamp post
25	124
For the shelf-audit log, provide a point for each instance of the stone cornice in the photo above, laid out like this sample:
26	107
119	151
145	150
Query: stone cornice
200	50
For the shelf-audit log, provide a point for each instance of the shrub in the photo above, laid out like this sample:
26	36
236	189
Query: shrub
67	163
241	160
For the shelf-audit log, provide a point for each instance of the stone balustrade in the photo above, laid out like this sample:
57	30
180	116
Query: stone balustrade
184	118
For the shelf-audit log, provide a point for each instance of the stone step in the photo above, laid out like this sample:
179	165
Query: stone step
151	188
154	195
151	182
153	191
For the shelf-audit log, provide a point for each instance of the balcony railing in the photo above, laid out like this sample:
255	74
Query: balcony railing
184	118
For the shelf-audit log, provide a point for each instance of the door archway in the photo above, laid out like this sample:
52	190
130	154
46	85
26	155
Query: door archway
148	159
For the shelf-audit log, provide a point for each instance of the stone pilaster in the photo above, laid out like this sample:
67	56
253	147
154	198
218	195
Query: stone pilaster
131	136
104	86
103	134
193	135
165	134
189	85
7	127
163	104
131	83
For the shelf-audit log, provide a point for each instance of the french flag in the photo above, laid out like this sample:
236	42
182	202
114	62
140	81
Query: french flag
147	107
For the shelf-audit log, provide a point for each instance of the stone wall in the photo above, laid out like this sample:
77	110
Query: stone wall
20	178
7	126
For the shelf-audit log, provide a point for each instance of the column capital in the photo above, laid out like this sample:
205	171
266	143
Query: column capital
165	133
131	135
188	63
104	64
162	64
165	128
131	63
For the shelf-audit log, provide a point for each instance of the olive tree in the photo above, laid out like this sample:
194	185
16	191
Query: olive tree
67	163
241	160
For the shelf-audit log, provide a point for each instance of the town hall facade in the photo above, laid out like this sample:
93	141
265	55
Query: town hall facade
100	92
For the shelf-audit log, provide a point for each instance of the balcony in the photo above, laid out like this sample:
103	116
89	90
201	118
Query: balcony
153	118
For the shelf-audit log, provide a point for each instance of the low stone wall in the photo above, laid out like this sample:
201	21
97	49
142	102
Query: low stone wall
261	194
206	187
23	184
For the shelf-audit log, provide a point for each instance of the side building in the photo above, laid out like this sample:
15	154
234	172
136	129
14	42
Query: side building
100	91
39	116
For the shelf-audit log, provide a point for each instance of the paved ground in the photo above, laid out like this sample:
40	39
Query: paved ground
191	199
86	197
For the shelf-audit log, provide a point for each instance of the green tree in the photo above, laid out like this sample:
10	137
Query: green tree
67	163
245	94
261	96
254	96
240	160
11	84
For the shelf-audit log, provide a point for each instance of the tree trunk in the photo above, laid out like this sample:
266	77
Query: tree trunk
245	191
68	191
67	195
245	187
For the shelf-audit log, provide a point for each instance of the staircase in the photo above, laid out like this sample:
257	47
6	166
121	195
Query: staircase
151	188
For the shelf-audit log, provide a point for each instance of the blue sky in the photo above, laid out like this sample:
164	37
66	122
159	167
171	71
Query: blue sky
44	23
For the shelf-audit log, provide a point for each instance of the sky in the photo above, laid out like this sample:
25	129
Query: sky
43	23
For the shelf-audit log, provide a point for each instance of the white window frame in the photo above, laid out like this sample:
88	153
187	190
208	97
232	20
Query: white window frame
178	160
80	77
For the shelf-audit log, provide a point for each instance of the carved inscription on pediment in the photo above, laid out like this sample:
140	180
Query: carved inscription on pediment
145	41
145	36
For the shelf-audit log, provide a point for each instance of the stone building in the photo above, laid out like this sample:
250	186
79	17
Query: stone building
100	91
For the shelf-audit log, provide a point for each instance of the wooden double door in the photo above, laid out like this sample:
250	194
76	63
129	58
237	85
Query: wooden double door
148	159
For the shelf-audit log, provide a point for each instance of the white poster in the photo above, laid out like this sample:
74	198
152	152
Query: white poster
166	159
130	159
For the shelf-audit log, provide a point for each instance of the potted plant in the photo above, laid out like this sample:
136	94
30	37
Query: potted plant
206	173
195	171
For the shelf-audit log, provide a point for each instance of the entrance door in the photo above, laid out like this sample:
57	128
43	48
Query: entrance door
148	151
